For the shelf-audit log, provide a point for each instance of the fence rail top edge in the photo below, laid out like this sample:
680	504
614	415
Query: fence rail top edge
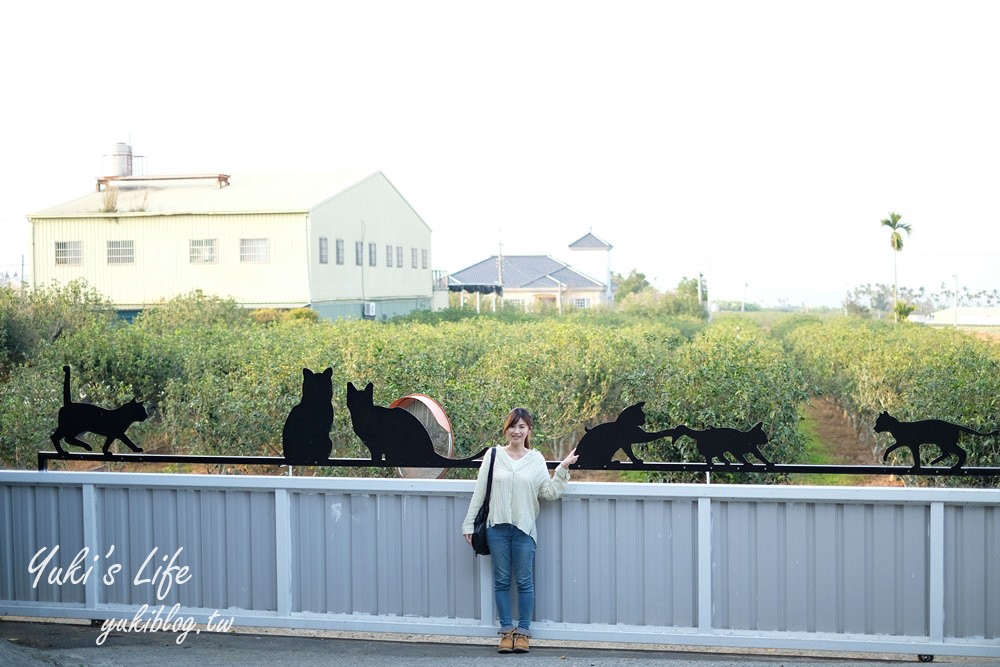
575	491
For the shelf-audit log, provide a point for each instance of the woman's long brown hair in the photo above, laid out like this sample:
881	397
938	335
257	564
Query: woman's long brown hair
513	417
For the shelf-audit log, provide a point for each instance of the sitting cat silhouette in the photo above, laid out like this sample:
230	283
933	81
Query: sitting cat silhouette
393	433
925	432
599	444
77	418
716	442
305	438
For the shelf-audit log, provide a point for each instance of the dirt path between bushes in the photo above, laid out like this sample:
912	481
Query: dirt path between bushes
842	442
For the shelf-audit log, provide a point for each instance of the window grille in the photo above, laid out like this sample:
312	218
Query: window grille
253	251
202	251
121	252
69	252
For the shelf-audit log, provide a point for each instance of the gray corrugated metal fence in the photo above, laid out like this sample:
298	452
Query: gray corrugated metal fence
838	568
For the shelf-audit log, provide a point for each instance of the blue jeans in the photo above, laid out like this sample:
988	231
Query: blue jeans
513	554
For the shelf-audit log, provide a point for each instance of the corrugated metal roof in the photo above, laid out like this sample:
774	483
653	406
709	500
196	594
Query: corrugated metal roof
250	192
524	272
589	242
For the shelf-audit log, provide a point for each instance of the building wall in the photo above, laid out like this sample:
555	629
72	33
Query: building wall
534	298
162	266
291	275
371	212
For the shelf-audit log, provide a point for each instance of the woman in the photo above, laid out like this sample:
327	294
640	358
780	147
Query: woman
520	477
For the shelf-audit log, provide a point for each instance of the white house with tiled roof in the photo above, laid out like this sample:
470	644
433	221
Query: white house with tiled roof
530	281
343	243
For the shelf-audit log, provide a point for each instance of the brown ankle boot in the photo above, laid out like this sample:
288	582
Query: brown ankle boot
521	643
506	642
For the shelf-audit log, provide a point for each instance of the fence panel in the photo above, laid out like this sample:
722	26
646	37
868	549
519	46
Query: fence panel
896	570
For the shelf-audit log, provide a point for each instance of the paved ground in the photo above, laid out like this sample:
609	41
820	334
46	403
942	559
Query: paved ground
30	643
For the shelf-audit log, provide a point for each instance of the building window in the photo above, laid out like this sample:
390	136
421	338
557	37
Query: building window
413	257
399	256
69	252
359	253
515	303
423	258
121	252
202	251
324	250
340	251
253	251
581	303
388	255
372	254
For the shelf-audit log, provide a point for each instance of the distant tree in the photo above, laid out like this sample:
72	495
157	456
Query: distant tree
689	294
903	310
681	302
633	284
896	241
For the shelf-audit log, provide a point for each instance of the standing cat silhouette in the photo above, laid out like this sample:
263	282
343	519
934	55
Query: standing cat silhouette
305	438
393	433
77	418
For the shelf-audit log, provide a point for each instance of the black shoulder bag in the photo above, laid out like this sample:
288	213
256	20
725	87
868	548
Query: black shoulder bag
479	543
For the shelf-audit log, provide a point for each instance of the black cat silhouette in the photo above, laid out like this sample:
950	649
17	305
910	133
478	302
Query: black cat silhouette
925	432
393	433
305	438
716	442
599	444
77	418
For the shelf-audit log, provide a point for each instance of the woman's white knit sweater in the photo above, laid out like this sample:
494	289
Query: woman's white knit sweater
517	485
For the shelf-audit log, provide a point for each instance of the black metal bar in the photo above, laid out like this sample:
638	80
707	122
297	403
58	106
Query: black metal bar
792	468
789	468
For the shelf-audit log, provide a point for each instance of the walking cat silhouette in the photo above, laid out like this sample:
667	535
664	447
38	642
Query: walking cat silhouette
305	438
77	418
925	432
717	442
393	433
599	444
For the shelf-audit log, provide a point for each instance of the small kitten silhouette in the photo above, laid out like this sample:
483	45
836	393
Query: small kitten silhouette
715	442
925	432
305	438
599	444
393	433
77	418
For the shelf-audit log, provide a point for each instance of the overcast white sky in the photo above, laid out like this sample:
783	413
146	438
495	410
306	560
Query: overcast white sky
757	142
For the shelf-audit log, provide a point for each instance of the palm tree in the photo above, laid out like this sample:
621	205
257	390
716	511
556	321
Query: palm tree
896	241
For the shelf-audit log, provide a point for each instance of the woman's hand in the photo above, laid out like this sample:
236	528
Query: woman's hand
566	462
468	538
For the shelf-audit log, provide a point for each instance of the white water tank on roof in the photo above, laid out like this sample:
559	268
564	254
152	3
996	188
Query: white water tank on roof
120	160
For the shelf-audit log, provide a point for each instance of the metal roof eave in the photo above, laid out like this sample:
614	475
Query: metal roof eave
162	214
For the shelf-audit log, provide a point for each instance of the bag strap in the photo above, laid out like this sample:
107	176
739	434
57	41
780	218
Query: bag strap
489	478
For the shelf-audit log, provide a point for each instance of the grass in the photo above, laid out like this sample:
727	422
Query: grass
817	453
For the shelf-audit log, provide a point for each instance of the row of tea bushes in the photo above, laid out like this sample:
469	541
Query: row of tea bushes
219	382
911	371
731	375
